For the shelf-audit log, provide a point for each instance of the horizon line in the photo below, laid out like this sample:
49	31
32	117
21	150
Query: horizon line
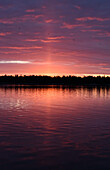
56	75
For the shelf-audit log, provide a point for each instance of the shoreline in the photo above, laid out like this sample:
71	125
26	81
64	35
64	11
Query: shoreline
53	85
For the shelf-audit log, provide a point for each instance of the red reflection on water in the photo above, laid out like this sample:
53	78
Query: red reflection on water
40	123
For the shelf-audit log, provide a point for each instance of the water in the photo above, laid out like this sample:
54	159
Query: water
55	128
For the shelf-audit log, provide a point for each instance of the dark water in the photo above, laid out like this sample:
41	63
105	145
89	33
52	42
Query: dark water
55	128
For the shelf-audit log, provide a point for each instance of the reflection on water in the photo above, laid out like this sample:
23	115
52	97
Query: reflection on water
55	128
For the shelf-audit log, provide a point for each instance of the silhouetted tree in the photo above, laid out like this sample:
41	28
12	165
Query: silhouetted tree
56	80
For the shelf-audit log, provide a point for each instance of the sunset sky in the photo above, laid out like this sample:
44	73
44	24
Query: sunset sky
55	37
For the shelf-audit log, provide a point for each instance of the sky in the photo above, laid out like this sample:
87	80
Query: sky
55	37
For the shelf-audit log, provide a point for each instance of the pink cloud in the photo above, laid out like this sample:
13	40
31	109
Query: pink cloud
21	48
49	40
105	68
6	21
37	33
92	19
52	39
31	40
104	34
90	30
44	7
55	38
31	17
77	7
61	16
20	33
37	16
5	33
1	6
10	52
30	10
49	20
107	34
6	7
70	26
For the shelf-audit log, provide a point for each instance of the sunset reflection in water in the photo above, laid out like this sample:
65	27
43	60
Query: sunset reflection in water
55	127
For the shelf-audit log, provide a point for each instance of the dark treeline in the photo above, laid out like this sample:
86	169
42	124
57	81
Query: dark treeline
57	80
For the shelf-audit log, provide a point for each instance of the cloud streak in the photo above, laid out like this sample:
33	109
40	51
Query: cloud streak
15	62
92	19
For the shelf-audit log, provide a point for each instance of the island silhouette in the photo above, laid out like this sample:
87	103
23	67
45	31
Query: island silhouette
56	80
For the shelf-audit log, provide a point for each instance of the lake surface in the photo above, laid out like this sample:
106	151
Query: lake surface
55	128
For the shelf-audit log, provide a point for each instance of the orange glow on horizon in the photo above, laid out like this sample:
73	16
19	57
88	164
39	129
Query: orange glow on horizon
61	75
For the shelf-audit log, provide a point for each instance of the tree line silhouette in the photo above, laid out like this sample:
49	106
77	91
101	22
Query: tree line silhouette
56	80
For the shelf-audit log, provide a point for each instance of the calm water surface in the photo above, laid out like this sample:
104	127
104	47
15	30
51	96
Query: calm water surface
55	128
